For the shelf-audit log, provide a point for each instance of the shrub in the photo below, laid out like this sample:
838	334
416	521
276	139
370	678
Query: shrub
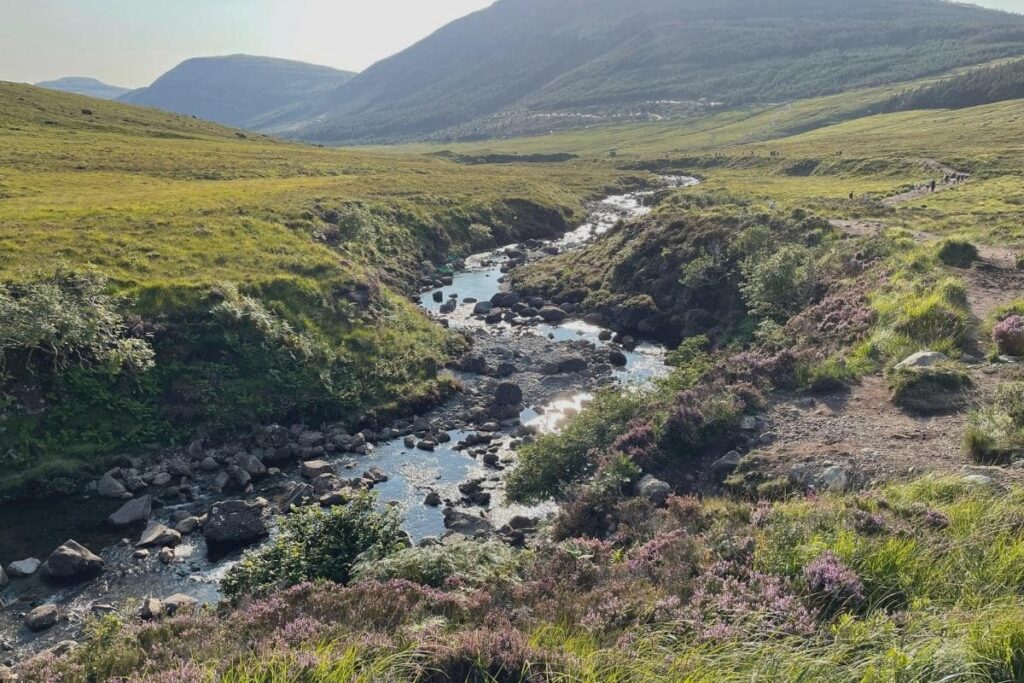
1008	335
466	564
316	544
832	583
780	285
69	318
957	253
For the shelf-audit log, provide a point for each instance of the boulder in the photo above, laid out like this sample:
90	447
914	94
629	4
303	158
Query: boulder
923	359
552	314
179	603
23	568
725	465
834	478
617	358
135	511
433	499
312	469
158	535
72	562
465	523
42	618
108	487
152	608
482	308
252	465
653	489
505	299
3	578
234	523
187	525
508	394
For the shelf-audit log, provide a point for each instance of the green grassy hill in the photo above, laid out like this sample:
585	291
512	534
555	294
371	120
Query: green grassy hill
269	279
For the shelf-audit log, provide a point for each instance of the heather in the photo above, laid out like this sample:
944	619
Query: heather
916	581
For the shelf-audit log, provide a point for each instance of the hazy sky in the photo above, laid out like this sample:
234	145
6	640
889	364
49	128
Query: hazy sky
131	42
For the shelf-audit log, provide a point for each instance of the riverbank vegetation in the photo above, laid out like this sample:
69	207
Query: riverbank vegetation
913	581
261	280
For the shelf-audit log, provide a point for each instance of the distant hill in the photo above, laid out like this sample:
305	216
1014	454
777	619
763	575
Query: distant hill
237	90
90	87
557	58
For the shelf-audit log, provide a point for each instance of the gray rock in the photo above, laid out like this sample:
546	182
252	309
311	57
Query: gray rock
978	480
251	465
482	308
23	568
465	523
834	478
72	562
208	464
726	465
152	608
314	468
923	359
42	618
508	394
552	314
161	479
433	499
158	535
617	358
3	578
748	423
135	511
187	525
179	603
234	523
376	475
108	487
653	489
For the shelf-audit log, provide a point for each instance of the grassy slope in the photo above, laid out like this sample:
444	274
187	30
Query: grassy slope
172	208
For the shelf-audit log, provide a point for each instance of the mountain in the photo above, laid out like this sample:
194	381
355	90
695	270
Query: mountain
558	58
90	87
237	90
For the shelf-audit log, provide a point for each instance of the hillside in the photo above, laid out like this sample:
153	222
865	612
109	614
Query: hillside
237	90
90	87
268	279
573	59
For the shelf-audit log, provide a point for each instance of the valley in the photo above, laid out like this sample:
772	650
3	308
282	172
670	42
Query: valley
728	390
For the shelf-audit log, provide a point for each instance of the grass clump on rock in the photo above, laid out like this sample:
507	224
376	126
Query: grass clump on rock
934	390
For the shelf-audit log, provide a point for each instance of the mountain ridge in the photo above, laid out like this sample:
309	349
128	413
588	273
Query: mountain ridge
83	85
236	90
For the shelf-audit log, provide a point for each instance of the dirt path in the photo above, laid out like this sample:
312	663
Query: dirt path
859	430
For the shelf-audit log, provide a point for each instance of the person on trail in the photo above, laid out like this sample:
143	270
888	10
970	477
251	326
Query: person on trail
933	186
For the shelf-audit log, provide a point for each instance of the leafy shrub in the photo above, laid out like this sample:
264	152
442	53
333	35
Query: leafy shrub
467	564
316	544
69	318
1008	335
779	286
957	253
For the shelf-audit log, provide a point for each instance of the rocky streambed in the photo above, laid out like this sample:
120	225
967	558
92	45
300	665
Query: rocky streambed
171	530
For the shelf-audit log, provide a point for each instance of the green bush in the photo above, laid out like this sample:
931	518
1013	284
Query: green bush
779	286
957	253
313	544
472	564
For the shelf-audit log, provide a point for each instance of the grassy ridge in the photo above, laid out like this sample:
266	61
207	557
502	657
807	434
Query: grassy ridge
269	278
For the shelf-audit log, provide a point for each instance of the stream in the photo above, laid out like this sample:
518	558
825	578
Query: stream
34	529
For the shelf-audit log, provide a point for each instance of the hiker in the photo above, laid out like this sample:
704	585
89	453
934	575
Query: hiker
933	186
